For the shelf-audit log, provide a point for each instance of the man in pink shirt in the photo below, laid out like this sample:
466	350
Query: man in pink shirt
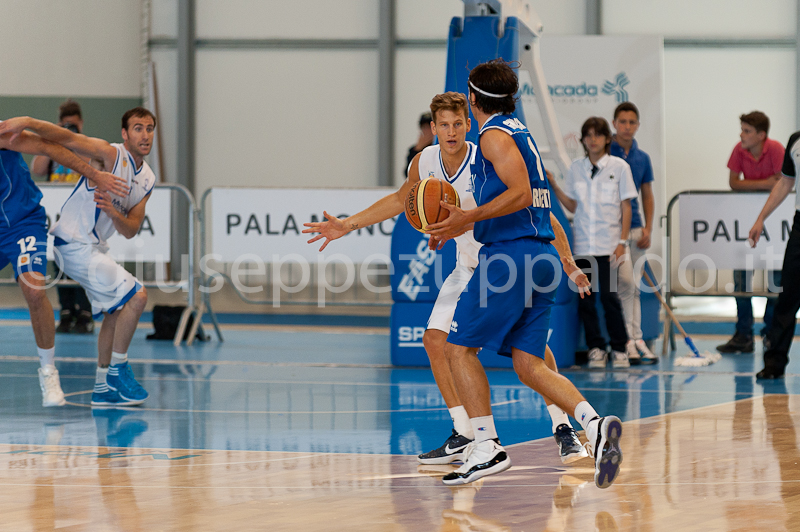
755	164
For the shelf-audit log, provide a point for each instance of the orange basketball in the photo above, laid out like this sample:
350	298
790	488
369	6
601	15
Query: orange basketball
422	203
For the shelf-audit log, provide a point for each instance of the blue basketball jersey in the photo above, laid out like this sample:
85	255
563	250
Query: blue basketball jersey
532	221
19	195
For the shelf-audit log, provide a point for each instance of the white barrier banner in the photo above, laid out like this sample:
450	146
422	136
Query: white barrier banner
714	230
152	244
269	223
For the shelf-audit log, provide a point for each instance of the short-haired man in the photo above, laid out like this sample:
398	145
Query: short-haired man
424	140
506	307
88	218
781	331
755	164
624	146
450	160
23	239
76	311
599	190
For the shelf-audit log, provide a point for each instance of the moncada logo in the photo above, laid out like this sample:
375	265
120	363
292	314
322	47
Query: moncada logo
615	87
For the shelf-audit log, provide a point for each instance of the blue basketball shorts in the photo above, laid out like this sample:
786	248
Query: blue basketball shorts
507	302
24	245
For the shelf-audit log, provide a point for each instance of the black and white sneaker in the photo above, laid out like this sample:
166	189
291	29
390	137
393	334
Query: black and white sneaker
569	444
480	459
606	451
452	450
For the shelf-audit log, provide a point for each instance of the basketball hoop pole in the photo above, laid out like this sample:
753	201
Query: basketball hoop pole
530	60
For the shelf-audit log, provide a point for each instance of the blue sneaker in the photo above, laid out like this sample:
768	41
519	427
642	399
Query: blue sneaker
110	397
120	378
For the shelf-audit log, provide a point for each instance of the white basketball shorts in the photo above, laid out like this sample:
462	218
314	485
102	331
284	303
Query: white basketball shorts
445	306
108	285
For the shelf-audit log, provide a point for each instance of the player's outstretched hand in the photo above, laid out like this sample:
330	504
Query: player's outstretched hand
457	223
104	203
110	183
577	276
436	244
330	230
13	126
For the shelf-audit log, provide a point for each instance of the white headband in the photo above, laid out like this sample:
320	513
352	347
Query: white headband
489	94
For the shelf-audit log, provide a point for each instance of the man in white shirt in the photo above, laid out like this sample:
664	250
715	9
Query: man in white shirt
88	218
599	189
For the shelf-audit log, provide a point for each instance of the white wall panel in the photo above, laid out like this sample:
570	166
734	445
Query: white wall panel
419	77
166	61
706	91
81	47
706	18
287	118
164	18
426	19
297	19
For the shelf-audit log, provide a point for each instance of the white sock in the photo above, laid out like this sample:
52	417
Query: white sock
584	413
461	421
483	427
100	380
558	416
47	357
118	358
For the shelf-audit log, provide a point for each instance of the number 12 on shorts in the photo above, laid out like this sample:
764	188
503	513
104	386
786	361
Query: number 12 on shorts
27	244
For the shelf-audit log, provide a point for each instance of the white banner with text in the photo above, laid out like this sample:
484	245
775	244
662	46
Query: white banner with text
268	223
714	230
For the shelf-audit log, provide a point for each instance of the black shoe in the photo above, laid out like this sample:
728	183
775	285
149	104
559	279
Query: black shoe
738	344
66	323
770	373
452	450
606	451
765	342
84	323
569	444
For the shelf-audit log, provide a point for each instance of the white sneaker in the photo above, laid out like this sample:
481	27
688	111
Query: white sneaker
597	358
633	353
619	359
648	357
480	459
51	387
606	450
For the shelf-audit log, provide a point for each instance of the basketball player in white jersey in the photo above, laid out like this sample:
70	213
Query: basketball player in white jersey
450	160
88	218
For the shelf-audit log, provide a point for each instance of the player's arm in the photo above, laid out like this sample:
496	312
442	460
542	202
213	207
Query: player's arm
501	150
570	204
91	147
561	244
383	209
128	226
776	197
31	144
40	165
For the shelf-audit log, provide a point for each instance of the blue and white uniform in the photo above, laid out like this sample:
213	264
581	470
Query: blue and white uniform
431	166
82	231
23	223
508	303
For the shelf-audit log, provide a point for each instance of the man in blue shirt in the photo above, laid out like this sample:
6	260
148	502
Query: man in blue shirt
23	239
624	146
506	305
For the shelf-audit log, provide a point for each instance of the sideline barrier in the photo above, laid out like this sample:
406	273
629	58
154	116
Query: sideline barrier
713	231
263	226
153	244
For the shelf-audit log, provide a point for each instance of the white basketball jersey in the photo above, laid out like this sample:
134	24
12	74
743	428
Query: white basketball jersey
431	165
82	220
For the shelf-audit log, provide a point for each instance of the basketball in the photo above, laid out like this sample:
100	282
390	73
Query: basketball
422	203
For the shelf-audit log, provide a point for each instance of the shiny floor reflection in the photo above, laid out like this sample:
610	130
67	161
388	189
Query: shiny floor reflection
309	429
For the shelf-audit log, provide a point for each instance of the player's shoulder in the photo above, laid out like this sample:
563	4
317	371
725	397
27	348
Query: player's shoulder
147	176
793	145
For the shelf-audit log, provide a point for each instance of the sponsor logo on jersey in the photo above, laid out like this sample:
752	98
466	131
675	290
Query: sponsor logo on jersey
454	326
431	173
23	260
124	163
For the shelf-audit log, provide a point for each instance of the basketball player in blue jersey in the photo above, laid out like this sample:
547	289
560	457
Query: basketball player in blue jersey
23	239
88	218
504	307
450	160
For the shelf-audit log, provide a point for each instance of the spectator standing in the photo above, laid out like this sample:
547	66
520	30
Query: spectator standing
755	164
624	146
425	139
